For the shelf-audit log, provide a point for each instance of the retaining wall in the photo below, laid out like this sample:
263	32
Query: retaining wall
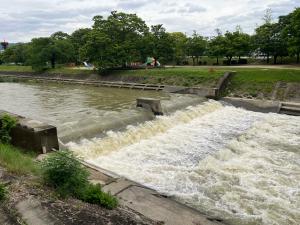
33	135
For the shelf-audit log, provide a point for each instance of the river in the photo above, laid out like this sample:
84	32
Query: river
239	166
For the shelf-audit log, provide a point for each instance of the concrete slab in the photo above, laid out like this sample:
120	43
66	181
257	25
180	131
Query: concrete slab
33	213
118	186
162	209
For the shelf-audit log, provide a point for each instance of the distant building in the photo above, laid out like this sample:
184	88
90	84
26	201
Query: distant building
4	45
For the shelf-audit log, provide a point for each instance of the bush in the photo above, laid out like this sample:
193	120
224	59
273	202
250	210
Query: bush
64	172
7	122
3	192
93	194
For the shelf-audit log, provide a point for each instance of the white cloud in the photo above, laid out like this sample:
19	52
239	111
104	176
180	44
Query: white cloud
21	20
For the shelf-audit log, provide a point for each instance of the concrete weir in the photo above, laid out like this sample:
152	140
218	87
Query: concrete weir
150	104
33	135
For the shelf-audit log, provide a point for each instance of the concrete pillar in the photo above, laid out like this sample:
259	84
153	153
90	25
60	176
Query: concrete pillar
150	104
33	135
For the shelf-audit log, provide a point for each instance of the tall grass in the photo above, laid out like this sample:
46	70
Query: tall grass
17	162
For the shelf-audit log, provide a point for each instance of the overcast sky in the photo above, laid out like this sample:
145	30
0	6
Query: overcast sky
21	20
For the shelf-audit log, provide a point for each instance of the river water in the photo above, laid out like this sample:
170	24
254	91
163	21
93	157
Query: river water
239	166
83	111
232	164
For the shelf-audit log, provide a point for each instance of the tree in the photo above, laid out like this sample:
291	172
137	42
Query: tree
50	50
125	31
216	46
180	43
79	39
270	41
17	54
100	50
196	46
159	44
291	31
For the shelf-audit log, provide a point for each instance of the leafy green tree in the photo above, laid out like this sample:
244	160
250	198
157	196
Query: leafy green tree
291	31
125	31
216	46
53	50
79	39
159	44
180	43
59	35
270	41
17	54
100	50
196	46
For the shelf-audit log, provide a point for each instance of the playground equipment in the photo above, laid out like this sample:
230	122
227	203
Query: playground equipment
151	62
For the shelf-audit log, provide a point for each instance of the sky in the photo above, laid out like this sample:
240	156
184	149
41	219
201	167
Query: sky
22	20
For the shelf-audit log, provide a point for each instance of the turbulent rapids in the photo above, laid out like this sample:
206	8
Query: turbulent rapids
232	164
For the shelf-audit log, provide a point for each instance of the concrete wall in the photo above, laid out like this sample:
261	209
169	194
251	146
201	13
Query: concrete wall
222	83
254	104
33	135
150	104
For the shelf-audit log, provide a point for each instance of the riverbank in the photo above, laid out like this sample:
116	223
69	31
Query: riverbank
30	202
262	82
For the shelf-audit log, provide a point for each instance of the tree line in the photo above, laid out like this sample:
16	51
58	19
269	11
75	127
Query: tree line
121	38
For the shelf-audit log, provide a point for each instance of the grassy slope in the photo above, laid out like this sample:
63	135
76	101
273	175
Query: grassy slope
248	80
17	162
255	81
187	76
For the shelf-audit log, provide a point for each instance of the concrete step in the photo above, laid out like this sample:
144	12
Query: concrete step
290	108
291	104
290	111
152	205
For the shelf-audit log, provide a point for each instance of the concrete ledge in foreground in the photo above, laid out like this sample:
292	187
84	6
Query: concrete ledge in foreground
33	135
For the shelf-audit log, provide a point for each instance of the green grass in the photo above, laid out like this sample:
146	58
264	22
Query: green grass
15	68
255	81
182	76
17	162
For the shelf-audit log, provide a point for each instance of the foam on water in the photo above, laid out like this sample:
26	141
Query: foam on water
239	166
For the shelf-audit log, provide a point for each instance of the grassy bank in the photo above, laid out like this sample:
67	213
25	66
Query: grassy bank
256	82
17	162
183	76
248	81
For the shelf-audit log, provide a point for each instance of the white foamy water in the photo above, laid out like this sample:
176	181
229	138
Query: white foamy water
232	164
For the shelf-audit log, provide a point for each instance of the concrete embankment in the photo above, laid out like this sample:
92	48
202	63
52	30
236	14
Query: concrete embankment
33	134
265	106
148	202
96	80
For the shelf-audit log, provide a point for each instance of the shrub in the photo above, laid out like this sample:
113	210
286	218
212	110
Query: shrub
3	192
94	195
7	122
64	172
